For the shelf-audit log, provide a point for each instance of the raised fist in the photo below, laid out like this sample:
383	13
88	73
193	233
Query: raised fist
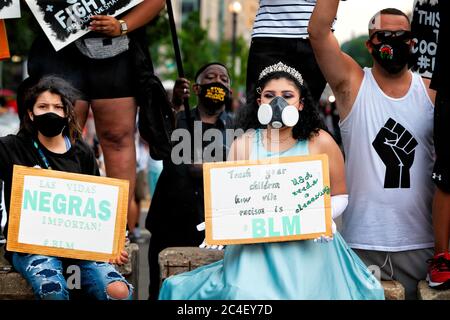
396	148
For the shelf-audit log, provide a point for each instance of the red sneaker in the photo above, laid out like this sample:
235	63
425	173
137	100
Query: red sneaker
438	276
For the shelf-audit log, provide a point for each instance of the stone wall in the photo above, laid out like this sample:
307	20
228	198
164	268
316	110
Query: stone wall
176	260
14	287
426	293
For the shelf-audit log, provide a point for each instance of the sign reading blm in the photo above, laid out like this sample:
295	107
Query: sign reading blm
64	21
267	200
67	215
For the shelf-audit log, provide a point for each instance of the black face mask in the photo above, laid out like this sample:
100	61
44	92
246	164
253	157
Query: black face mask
392	54
49	124
214	96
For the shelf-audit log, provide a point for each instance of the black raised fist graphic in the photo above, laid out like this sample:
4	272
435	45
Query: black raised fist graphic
395	146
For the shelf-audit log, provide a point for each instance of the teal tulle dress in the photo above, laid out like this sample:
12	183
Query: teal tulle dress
279	271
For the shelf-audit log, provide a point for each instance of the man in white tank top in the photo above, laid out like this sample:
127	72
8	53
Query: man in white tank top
387	130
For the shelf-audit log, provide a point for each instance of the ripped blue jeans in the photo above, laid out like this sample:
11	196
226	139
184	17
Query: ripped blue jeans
46	276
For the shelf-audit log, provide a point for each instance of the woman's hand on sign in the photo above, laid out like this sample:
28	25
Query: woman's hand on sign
325	239
212	247
121	259
107	25
201	227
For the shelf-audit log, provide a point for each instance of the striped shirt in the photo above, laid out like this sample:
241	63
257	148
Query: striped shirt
283	18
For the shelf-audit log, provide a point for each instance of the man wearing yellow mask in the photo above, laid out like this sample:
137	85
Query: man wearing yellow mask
177	205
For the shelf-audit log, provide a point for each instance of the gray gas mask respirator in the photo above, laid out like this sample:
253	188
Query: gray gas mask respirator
278	114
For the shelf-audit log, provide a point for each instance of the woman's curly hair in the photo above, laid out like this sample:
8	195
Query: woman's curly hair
309	122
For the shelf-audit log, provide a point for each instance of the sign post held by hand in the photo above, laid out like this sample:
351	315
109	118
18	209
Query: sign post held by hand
67	215
268	200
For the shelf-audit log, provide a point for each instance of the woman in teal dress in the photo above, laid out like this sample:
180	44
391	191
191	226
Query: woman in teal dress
286	123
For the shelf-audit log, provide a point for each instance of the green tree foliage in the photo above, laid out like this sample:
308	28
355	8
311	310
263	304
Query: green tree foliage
21	32
356	48
196	50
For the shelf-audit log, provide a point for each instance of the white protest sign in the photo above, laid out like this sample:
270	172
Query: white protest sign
267	200
65	21
9	9
68	215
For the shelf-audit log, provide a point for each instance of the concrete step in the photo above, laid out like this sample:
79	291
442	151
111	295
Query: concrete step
393	290
177	260
14	287
426	293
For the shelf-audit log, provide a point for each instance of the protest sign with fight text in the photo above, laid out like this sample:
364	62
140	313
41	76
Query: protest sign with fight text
65	21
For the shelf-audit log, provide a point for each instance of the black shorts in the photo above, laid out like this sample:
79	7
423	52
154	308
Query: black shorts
95	78
441	171
296	53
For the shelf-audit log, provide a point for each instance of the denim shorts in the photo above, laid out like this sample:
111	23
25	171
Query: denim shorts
47	277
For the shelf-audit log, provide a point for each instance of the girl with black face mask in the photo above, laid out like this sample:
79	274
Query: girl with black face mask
50	138
49	117
49	120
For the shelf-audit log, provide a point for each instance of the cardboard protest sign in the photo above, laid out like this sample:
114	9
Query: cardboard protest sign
65	21
267	200
9	9
67	215
425	28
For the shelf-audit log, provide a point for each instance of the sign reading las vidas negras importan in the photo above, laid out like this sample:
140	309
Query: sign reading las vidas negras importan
64	21
67	215
267	200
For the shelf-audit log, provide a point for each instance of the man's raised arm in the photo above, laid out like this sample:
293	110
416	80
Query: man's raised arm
342	73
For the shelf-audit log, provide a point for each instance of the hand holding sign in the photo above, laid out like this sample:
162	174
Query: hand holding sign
203	245
121	259
107	25
326	239
65	21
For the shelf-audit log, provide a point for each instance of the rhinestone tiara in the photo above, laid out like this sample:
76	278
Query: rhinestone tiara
284	68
